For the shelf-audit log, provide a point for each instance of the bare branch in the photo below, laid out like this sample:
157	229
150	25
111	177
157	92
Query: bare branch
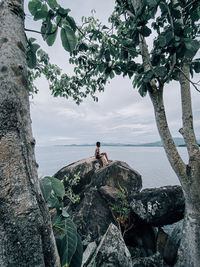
28	30
193	83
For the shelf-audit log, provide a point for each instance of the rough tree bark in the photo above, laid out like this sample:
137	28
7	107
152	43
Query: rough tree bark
26	237
188	174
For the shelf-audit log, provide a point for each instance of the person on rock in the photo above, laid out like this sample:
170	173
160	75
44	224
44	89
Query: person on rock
99	155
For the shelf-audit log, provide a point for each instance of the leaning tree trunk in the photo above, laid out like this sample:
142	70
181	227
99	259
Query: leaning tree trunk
189	252
26	237
188	174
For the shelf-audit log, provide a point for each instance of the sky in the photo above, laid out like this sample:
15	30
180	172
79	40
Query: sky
121	114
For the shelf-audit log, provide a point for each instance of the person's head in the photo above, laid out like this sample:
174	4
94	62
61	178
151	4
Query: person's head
98	144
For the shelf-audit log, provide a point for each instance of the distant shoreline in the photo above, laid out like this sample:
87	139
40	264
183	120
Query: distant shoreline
179	142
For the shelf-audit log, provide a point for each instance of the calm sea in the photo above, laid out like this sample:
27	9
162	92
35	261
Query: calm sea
150	162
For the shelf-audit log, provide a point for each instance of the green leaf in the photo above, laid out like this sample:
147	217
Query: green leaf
46	29
34	47
41	14
161	71
45	186
195	15
197	67
71	22
163	7
59	20
78	255
192	46
52	36
169	37
105	27
162	41
53	202
101	67
32	40
187	30
148	76
68	39
32	60
63	12
145	31
107	55
112	75
83	47
152	3
52	3
57	186
33	6
143	90
59	225
67	245
117	70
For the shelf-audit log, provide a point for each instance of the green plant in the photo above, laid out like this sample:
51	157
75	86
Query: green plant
122	209
69	188
68	241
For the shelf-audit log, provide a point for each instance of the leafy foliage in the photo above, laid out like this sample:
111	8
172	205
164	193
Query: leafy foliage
103	52
69	183
53	17
68	241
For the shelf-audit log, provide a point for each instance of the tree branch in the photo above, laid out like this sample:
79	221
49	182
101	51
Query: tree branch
194	84
28	30
174	55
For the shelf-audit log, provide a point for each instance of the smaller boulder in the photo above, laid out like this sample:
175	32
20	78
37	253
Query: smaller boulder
109	194
112	250
92	216
172	244
88	253
159	206
152	261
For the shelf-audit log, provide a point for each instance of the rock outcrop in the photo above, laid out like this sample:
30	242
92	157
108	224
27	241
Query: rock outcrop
112	250
113	214
93	214
159	206
117	174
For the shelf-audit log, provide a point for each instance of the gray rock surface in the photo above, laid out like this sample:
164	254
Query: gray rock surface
109	194
172	244
116	174
159	206
92	216
152	261
88	253
98	184
112	250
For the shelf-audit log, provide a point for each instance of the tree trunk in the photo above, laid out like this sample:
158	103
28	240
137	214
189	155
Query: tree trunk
189	252
26	237
189	175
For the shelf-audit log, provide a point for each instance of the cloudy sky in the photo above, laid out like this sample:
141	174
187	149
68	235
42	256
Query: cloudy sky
120	116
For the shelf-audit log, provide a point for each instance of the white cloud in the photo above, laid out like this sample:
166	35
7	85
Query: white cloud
121	115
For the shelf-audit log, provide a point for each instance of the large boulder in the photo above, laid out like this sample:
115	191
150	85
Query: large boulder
92	216
159	206
117	174
112	250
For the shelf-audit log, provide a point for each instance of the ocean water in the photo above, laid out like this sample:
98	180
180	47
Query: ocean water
150	162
